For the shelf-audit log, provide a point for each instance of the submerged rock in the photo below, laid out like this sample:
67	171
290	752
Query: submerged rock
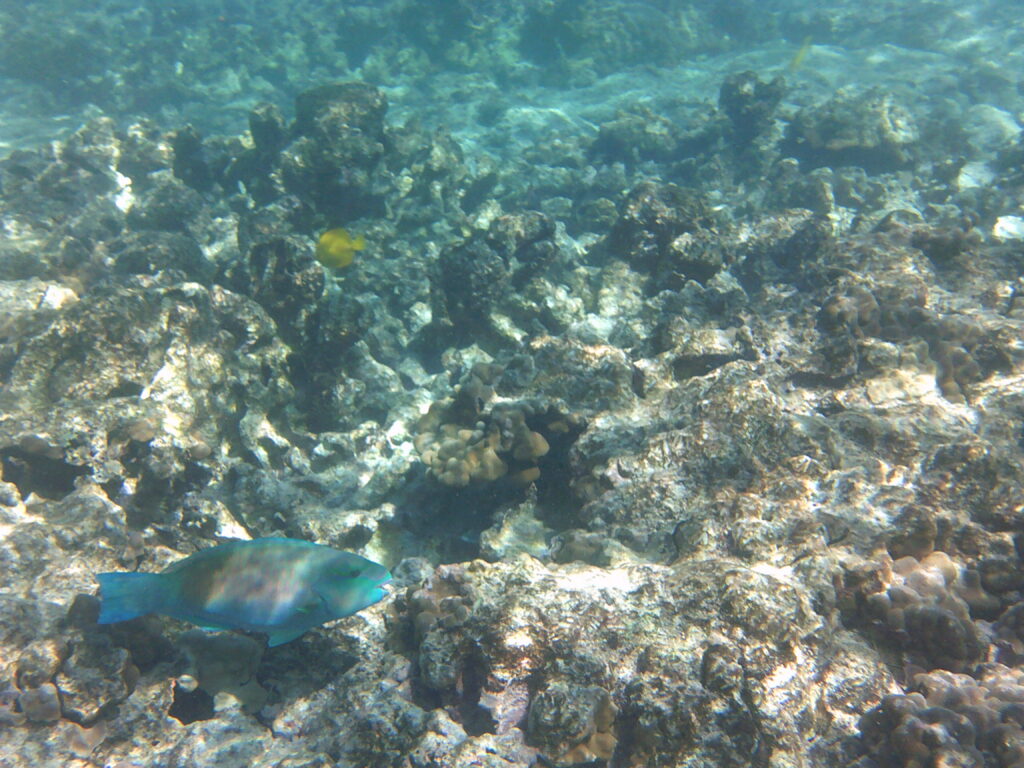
869	128
631	674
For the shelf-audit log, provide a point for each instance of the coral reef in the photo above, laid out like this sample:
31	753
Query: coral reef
513	660
653	225
928	605
466	438
682	401
949	719
750	104
962	350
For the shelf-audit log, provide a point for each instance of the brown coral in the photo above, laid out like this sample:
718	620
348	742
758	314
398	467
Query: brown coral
927	606
962	351
950	719
463	442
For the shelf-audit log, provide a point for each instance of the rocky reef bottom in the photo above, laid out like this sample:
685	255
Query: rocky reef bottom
725	471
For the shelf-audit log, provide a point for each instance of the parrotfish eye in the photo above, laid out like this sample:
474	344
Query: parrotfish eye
347	571
360	570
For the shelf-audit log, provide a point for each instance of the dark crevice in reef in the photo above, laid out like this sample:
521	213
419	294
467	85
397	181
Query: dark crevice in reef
191	706
475	719
811	379
555	497
44	476
156	496
126	389
455	517
690	366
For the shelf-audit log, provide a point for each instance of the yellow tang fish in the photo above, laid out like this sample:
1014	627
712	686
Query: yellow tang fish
336	247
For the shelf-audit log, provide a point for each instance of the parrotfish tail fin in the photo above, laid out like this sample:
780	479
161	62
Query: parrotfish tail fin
124	596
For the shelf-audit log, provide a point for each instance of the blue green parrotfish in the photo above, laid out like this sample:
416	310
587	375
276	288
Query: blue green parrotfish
280	587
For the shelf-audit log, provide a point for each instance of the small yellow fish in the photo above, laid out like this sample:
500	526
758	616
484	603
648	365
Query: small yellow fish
337	247
801	54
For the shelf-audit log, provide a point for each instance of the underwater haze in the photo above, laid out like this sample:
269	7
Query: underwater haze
649	375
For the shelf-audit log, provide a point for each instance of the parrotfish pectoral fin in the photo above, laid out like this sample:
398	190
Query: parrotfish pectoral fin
124	596
284	635
313	602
